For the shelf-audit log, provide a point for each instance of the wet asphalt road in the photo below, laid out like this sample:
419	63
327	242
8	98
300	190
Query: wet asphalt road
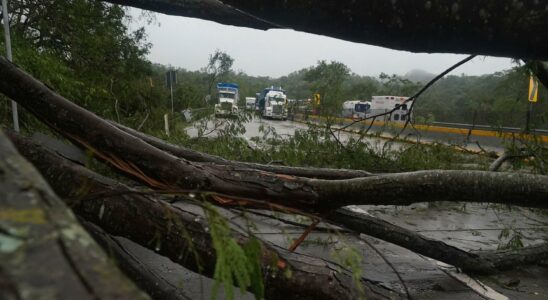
470	227
288	128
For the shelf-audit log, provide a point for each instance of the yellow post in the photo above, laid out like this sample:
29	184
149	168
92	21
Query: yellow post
317	98
533	89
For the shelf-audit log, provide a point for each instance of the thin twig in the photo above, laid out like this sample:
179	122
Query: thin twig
143	122
303	236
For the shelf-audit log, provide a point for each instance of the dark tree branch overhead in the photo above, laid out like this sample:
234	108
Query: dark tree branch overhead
489	27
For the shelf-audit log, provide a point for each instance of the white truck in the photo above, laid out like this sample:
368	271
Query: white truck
355	109
383	104
228	95
250	103
275	105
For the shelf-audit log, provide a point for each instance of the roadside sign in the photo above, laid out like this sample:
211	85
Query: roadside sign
171	79
533	89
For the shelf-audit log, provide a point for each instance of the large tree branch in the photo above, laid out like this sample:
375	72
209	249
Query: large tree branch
156	286
179	234
485	262
44	253
490	27
164	171
212	10
488	262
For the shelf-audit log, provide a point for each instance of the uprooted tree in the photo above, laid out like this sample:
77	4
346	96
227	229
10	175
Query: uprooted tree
107	207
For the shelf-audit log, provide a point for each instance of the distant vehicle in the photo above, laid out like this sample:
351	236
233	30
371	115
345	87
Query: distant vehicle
275	106
250	103
260	97
355	109
382	104
228	95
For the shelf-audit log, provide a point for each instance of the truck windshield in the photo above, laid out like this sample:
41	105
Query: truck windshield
361	107
226	95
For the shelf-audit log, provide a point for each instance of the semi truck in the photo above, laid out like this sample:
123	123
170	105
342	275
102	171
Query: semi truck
275	106
228	95
272	103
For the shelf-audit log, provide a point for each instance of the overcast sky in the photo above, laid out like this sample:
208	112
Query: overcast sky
187	43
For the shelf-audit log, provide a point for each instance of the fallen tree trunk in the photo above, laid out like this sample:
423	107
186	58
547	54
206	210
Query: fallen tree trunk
481	262
155	286
44	253
182	236
164	171
498	28
486	262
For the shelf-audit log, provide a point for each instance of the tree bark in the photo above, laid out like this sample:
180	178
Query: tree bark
211	10
491	27
485	262
481	262
176	233
164	171
44	253
155	286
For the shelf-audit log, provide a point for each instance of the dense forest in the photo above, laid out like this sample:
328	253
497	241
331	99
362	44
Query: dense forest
86	51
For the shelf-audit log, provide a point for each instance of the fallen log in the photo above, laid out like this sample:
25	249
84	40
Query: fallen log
44	252
485	262
481	262
156	287
182	235
164	171
497	28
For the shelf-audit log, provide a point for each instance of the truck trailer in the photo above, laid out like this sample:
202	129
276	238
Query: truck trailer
383	104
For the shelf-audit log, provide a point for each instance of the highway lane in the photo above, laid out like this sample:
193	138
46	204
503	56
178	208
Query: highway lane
458	138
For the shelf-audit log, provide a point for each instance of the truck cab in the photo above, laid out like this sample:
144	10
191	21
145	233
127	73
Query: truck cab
275	105
228	96
250	103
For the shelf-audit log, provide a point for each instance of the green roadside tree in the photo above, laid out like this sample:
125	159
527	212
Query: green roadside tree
327	80
218	68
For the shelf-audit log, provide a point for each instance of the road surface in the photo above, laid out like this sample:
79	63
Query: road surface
288	128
